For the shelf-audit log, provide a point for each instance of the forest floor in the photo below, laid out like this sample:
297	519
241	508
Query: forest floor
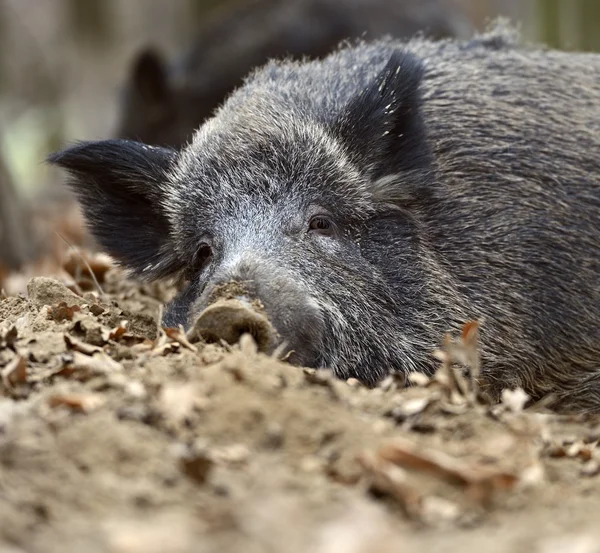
119	436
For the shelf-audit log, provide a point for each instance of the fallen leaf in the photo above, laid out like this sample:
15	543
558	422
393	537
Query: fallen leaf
419	379
411	407
84	366
461	352
14	373
80	346
178	335
8	337
117	333
83	403
165	349
99	263
386	477
63	312
480	481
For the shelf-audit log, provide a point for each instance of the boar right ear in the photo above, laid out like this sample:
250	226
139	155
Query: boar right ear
121	186
383	126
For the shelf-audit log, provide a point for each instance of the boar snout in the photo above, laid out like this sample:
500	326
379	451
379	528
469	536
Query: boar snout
229	319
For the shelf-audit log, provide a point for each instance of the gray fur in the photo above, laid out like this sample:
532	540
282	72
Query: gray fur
487	206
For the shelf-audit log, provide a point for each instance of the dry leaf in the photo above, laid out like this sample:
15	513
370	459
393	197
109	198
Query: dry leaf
117	333
63	312
460	352
80	346
419	379
84	367
178	335
8	337
411	407
99	263
165	349
14	373
83	403
386	477
480	481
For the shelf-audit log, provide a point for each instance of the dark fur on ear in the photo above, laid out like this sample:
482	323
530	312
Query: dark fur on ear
120	185
383	123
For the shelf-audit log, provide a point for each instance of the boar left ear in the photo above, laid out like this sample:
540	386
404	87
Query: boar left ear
382	126
121	186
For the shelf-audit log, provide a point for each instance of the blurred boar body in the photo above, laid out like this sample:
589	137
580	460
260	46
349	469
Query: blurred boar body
163	105
376	199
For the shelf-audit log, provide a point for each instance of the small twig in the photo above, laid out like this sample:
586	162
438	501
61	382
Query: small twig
85	261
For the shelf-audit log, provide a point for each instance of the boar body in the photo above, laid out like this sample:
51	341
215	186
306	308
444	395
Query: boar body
378	198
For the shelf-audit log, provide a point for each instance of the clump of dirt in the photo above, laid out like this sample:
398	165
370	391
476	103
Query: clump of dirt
118	435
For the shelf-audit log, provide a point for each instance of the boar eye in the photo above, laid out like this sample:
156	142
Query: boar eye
321	225
202	258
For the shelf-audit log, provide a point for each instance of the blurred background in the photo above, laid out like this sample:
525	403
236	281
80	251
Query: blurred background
154	69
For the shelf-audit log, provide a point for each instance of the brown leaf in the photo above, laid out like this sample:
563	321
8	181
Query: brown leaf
178	335
8	337
461	352
83	403
84	367
480	480
14	373
63	312
100	264
470	333
118	332
82	347
386	477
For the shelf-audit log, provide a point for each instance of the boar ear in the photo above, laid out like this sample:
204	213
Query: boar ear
121	186
382	126
149	79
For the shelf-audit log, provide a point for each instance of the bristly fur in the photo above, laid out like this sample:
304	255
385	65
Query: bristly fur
462	180
123	185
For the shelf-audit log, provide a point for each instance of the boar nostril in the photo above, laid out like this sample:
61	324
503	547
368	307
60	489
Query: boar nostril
228	320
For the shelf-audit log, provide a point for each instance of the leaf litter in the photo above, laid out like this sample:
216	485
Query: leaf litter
108	416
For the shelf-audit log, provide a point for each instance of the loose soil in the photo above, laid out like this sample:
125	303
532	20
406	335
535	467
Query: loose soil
119	436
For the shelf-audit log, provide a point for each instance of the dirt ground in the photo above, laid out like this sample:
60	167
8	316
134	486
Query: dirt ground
119	436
